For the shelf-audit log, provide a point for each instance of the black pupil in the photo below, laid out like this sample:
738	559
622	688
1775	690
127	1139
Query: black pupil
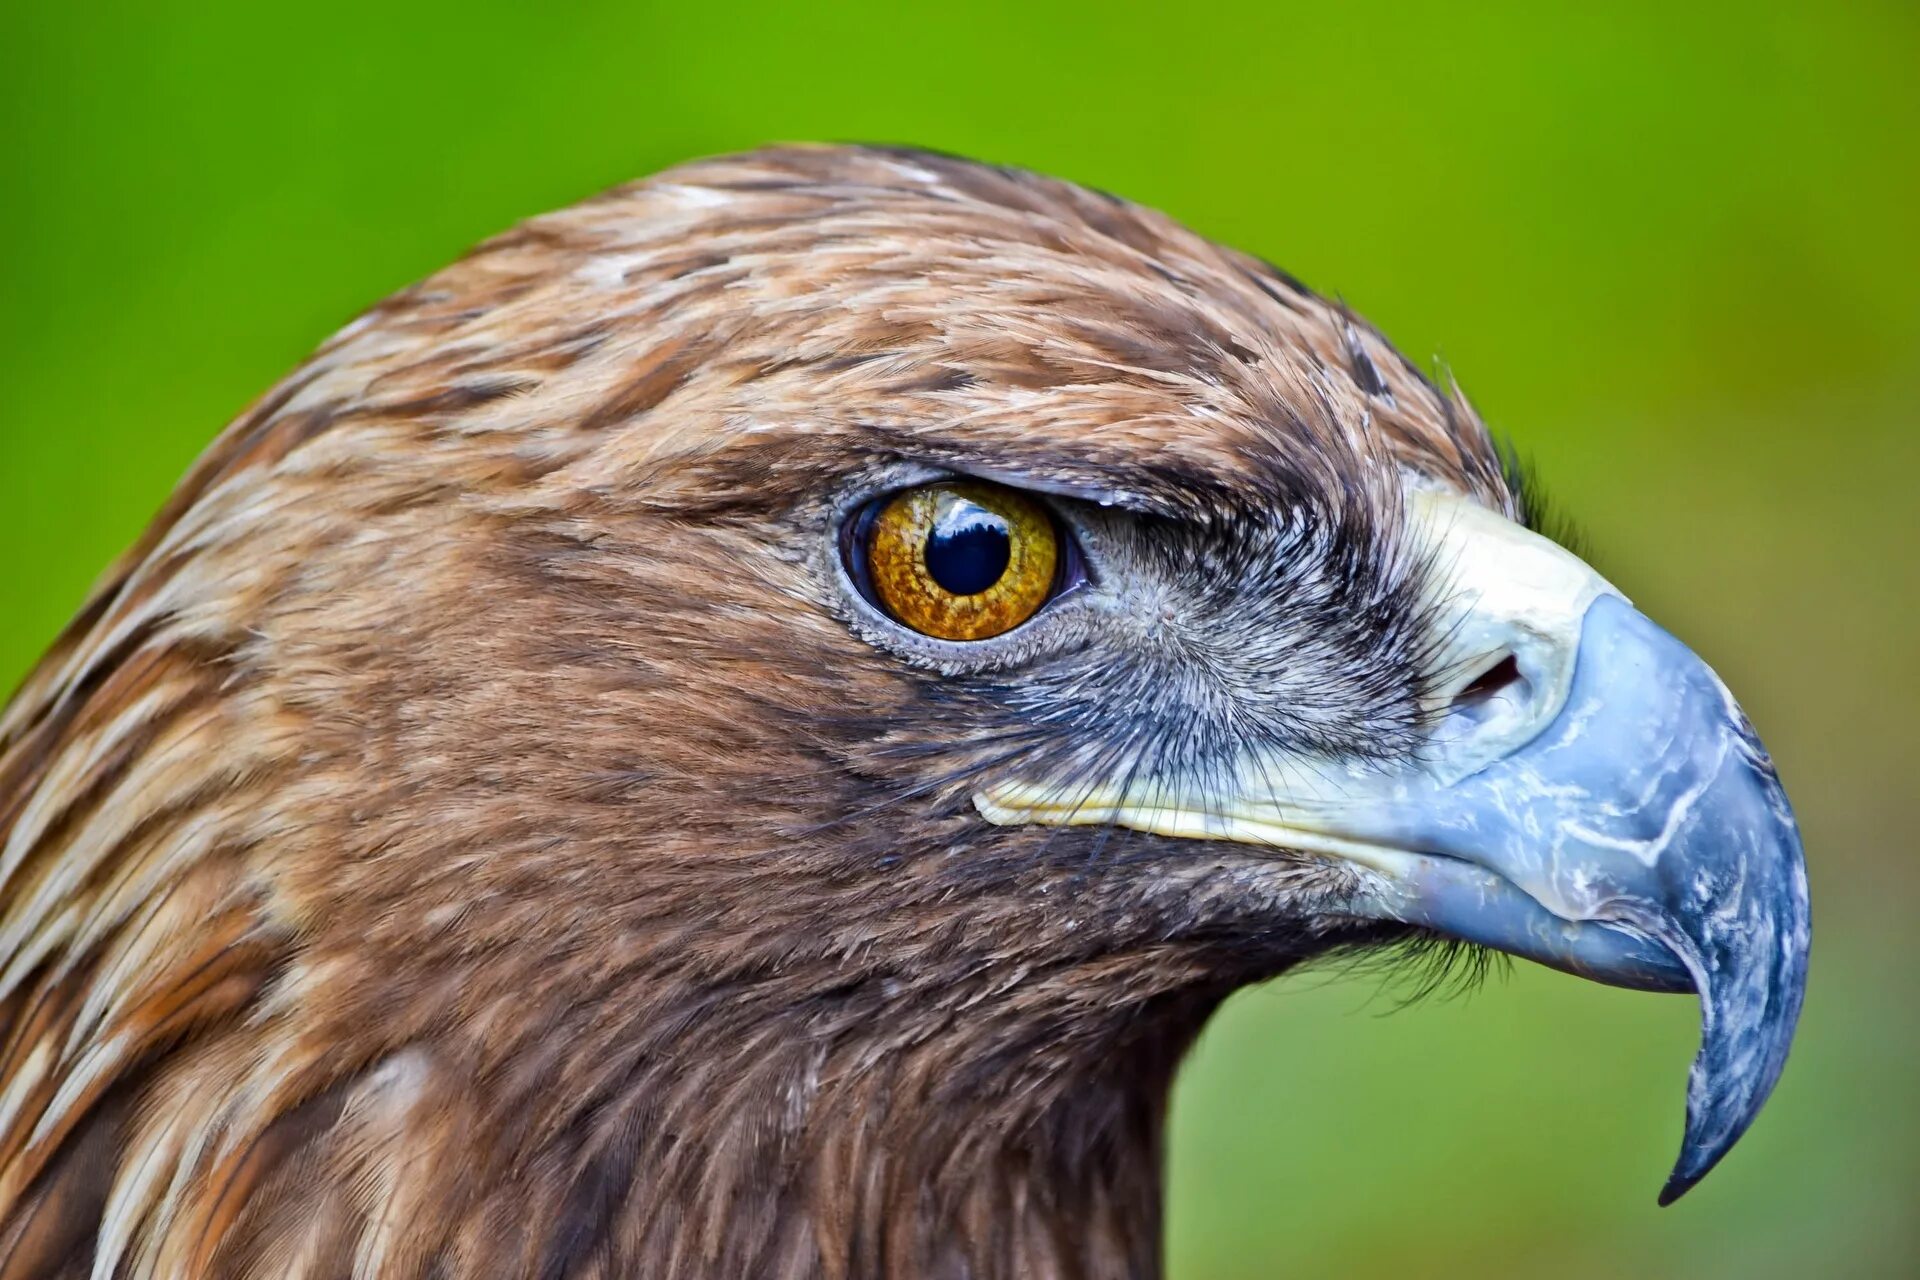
967	548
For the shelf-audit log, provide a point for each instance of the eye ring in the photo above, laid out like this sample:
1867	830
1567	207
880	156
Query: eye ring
958	560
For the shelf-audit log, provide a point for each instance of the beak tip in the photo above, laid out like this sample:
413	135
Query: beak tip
1698	1157
1678	1184
1696	1161
1749	1012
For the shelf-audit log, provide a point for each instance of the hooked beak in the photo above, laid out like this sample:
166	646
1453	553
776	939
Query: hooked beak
1593	799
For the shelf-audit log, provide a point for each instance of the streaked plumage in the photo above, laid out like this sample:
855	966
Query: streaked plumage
471	835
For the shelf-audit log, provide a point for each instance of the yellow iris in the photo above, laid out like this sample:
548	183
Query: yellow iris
962	560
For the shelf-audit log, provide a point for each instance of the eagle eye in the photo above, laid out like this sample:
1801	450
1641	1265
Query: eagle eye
956	560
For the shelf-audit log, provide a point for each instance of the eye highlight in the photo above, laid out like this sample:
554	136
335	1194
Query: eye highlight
957	560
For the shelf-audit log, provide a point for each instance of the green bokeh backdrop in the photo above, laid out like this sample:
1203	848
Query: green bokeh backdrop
1671	248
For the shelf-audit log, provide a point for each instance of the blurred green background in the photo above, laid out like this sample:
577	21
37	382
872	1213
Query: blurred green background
1672	249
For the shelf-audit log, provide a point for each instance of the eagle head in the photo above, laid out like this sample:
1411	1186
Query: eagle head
742	729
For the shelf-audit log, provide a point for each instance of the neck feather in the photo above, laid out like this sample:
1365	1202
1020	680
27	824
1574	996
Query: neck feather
969	1144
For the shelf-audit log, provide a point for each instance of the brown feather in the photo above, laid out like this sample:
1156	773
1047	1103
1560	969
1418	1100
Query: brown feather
429	853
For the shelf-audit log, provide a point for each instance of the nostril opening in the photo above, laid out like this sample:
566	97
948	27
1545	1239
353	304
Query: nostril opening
1499	683
1500	675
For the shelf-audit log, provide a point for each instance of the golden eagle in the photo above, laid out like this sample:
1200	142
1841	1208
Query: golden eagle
743	728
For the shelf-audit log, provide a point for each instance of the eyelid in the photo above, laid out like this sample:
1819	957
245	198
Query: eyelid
1099	496
1039	488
